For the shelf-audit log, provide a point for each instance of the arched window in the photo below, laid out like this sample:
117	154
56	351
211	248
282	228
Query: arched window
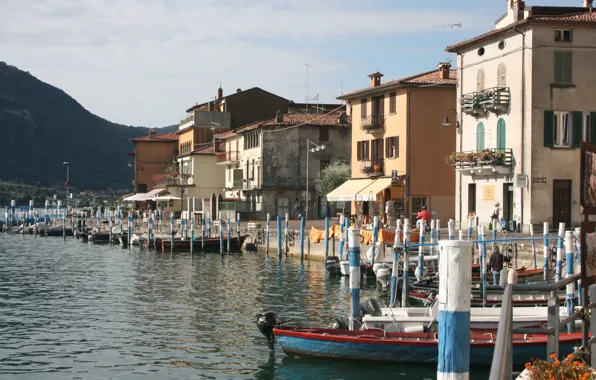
501	135
480	81
480	136
501	75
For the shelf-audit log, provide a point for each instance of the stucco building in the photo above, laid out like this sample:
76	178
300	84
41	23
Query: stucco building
396	131
151	156
526	98
266	163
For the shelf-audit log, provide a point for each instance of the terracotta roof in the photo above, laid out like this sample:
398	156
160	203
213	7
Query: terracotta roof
298	118
216	101
209	149
225	134
170	136
429	77
539	15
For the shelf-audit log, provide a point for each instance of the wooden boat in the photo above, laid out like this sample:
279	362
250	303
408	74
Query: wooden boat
381	346
210	244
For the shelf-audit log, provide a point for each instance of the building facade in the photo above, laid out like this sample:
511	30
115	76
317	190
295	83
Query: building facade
151	156
397	132
266	163
526	98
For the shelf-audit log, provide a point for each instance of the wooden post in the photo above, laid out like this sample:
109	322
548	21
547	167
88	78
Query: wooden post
375	238
220	234
238	230
229	229
286	232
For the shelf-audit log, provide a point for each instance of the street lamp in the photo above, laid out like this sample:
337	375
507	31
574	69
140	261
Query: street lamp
67	164
308	150
447	123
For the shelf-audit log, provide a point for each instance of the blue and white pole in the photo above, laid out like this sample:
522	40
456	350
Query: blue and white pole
149	228
395	269
279	236
130	229
302	226
238	229
286	233
533	246
451	229
420	269
354	244
455	279
545	229
576	236
481	236
267	234
192	233
327	238
470	228
208	225
346	231
171	231
569	246
341	237
375	238
432	236
438	227
229	232
220	233
404	293
559	267
202	233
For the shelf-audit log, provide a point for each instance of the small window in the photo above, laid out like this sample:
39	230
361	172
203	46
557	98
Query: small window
480	80
471	199
563	35
563	67
391	147
501	45
481	51
362	151
502	75
563	129
392	102
323	133
363	108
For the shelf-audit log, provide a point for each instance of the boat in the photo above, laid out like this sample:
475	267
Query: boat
208	244
56	231
398	347
332	265
492	298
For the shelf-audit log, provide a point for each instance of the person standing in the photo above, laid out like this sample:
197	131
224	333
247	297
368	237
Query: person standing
496	264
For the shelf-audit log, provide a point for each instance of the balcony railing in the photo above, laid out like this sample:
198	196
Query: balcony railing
238	184
482	162
227	157
495	99
373	124
374	167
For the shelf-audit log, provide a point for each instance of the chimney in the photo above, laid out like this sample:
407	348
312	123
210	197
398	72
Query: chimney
343	118
518	9
444	70
279	116
219	93
238	90
587	3
375	79
152	134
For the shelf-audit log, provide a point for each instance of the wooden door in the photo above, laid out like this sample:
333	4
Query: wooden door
561	202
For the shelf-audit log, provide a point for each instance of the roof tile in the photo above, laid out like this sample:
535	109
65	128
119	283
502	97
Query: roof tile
294	119
170	136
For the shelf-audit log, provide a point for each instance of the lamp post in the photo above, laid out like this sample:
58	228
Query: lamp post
67	164
447	123
308	150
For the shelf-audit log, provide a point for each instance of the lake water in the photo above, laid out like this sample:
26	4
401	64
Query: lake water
71	310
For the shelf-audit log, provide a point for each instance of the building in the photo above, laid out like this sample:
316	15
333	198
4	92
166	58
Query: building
267	163
396	131
526	98
151	156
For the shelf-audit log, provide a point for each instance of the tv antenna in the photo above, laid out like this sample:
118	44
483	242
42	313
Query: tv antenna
450	26
307	67
315	98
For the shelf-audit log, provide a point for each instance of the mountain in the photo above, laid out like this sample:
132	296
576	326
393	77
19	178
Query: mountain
41	127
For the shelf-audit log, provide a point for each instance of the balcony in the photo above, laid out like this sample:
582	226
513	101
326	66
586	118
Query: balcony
482	162
495	99
373	168
224	158
373	124
238	184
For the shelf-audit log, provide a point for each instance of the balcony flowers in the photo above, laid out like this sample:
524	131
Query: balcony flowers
476	158
568	368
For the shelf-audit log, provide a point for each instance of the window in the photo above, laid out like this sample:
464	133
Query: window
480	81
589	135
251	140
391	147
563	35
362	150
142	188
563	68
376	149
501	45
481	51
480	136
501	75
562	129
471	199
283	206
378	105
252	173
392	102
363	108
501	135
417	204
323	133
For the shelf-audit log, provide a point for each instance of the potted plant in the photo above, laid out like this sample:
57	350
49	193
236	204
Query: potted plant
378	168
568	368
499	158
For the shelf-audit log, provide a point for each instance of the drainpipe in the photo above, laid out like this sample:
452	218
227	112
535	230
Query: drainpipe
523	121
461	128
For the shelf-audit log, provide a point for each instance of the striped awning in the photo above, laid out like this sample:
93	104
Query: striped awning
370	192
348	190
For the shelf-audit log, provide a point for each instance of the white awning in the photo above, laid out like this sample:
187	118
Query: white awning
166	198
348	190
153	193
135	197
370	192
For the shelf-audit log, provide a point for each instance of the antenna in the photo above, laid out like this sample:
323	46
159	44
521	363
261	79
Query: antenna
342	87
219	83
450	26
307	67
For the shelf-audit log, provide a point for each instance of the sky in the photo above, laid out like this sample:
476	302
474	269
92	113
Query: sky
144	62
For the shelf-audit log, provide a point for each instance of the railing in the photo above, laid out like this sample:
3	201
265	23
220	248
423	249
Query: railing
491	159
496	99
224	157
187	120
374	167
237	184
373	124
502	364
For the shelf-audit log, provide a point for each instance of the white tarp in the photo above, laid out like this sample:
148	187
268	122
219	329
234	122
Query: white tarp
347	191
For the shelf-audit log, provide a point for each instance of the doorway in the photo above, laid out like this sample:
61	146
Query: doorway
561	202
508	201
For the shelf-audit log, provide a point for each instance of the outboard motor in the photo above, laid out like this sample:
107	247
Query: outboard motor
266	322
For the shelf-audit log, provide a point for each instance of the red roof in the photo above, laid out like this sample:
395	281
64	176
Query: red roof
429	77
170	136
225	134
290	119
209	149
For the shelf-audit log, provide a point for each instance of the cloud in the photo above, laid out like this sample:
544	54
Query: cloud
145	61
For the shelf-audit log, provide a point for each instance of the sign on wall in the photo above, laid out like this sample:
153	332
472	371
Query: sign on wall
521	180
488	193
538	180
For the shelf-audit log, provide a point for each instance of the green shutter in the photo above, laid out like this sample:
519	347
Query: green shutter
501	134
592	129
549	133
578	123
480	136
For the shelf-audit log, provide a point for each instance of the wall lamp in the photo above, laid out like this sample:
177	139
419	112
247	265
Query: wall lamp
447	123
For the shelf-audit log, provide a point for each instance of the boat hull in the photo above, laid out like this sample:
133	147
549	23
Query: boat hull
210	244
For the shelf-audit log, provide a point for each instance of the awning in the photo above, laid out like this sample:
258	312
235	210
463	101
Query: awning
370	192
348	190
166	198
135	197
153	193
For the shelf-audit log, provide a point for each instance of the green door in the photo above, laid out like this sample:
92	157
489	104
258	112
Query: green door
480	136
501	135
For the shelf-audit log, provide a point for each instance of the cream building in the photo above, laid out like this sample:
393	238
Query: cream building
526	98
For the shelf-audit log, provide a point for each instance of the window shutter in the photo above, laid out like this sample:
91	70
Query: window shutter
387	145
568	68
549	132
381	110
592	127
380	151
363	108
396	146
358	148
578	124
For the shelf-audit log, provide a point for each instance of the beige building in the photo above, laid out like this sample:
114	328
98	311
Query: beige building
527	96
396	131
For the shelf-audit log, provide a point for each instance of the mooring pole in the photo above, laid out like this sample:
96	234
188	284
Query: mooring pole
192	233
220	233
238	230
267	235
171	232
546	250
577	235
341	237
375	238
202	233
481	235
455	278
279	251
404	293
395	269
354	248
559	267
327	237
420	269
286	233
229	229
302	223
569	272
